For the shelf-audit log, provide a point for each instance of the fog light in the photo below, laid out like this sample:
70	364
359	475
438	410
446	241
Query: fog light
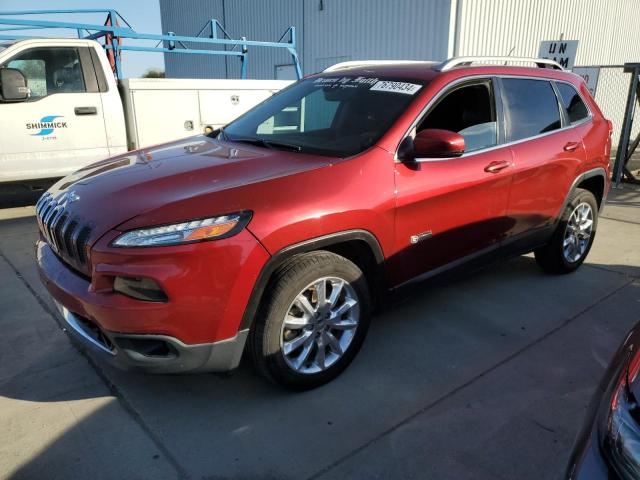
140	288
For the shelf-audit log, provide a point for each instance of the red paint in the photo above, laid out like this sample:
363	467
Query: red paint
433	142
467	203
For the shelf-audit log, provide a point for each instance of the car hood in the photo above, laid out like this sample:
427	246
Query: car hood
165	178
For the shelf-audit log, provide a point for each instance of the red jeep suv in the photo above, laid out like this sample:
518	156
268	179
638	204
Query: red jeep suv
278	233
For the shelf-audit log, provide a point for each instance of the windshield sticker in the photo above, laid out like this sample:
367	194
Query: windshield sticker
396	87
345	82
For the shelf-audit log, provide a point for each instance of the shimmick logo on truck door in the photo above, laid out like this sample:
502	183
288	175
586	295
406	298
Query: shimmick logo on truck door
47	125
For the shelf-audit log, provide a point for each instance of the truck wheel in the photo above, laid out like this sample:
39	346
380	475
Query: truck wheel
312	322
573	237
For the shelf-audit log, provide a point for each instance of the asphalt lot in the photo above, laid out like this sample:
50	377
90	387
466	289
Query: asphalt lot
482	376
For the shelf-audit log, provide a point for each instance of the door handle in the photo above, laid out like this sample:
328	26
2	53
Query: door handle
85	110
571	146
495	167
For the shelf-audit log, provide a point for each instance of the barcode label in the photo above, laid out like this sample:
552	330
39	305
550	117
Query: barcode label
396	87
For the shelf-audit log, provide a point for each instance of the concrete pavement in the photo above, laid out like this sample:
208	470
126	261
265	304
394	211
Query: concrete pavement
484	375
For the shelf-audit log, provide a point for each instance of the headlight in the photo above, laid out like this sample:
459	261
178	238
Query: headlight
186	232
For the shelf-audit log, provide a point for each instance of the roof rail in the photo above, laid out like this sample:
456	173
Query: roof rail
366	63
467	61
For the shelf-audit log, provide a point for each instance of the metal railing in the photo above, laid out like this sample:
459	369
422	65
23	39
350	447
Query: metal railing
113	33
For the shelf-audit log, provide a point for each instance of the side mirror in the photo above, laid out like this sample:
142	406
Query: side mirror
13	85
432	143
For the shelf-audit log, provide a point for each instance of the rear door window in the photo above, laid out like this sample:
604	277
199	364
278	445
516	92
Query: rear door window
531	108
572	102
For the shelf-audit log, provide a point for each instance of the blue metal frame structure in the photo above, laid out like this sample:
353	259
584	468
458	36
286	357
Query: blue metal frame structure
114	33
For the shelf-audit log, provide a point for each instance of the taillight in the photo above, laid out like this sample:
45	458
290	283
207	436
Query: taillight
610	125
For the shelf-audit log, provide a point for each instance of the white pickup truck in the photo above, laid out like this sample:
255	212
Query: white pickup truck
61	107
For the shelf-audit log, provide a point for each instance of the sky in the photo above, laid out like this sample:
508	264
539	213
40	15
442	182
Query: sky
143	15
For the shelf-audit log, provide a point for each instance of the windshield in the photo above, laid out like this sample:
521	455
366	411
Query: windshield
330	115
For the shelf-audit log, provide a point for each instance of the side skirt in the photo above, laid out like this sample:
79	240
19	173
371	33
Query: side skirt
511	247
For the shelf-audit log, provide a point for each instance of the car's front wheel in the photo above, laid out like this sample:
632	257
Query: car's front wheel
572	240
312	322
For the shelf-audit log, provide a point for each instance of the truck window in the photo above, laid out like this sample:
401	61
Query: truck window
532	108
469	111
33	70
576	109
50	70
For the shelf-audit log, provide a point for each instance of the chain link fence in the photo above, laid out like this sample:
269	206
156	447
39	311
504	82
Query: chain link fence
611	95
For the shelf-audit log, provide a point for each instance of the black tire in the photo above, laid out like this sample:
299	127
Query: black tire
551	257
266	334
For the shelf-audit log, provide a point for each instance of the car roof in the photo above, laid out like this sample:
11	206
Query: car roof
428	70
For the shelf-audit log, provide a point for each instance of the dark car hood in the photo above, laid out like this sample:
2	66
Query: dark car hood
113	191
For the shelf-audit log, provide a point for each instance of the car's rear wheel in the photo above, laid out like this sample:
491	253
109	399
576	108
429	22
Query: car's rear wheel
573	238
312	322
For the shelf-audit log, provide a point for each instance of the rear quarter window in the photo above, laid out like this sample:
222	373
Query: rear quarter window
572	103
532	107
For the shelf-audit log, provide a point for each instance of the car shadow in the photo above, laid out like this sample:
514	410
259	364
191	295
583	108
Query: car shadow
433	337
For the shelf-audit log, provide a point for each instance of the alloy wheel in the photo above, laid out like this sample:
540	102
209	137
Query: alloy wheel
578	233
319	325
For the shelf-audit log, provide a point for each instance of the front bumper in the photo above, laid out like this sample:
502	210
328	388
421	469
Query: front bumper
153	353
197	329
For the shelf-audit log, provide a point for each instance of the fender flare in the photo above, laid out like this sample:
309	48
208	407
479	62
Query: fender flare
280	257
594	172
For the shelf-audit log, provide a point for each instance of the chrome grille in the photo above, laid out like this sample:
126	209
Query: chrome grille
67	234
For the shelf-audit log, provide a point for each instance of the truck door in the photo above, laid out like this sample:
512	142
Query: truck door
60	128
